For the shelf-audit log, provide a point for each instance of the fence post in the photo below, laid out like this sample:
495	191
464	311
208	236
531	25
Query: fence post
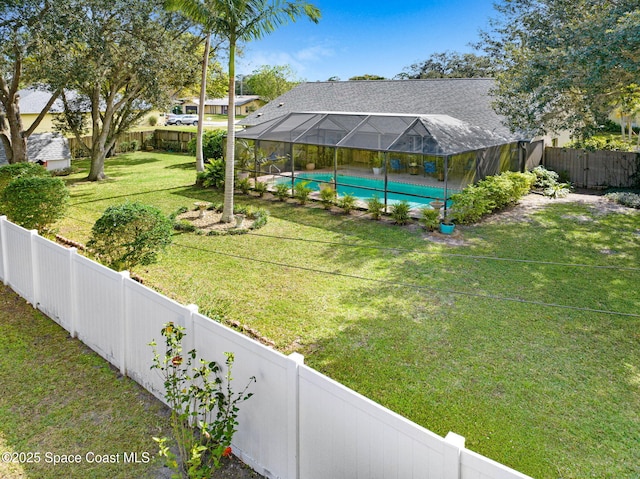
458	441
189	327
124	326
73	292
3	248
293	421
35	279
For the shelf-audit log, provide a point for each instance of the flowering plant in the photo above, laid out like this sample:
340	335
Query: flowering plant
198	396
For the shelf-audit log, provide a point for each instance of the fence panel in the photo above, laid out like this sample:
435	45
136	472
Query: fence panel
345	435
475	466
266	436
594	169
4	242
146	312
98	308
53	277
19	260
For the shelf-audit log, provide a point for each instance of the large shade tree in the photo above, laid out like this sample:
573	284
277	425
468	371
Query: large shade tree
25	26
451	65
271	81
238	21
120	59
564	63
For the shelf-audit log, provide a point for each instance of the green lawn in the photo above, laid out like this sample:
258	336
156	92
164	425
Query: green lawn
451	340
61	400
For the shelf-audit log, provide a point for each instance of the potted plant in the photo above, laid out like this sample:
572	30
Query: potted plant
243	158
447	225
376	164
413	168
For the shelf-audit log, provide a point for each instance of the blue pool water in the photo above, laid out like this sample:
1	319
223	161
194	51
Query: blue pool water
365	188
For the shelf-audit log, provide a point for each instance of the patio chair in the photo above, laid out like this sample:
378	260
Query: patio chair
429	167
396	165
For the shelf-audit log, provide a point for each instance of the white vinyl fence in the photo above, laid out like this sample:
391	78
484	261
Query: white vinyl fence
298	424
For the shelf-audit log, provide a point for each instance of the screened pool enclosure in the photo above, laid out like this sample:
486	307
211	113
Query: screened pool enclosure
417	158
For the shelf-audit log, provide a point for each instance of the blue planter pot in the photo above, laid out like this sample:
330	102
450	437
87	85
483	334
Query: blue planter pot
446	229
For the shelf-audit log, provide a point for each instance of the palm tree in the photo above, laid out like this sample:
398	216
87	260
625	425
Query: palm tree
240	21
203	14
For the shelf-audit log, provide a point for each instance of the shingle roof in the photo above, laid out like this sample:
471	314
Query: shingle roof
466	99
33	101
43	147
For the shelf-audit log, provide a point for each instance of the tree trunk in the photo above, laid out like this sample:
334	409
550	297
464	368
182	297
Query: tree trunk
203	98
14	141
227	211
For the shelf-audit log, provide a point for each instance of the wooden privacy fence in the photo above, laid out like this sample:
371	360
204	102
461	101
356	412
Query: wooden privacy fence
157	139
595	169
298	425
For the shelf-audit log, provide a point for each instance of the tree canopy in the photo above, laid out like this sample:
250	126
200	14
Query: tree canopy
119	59
564	63
25	27
451	65
269	82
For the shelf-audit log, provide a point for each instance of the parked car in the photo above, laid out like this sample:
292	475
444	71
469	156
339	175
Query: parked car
182	119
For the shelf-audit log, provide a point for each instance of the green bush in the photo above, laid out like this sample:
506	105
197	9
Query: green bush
130	234
213	175
282	191
328	197
244	185
35	202
471	204
375	207
347	202
9	173
631	200
212	144
400	212
260	187
301	192
430	218
548	182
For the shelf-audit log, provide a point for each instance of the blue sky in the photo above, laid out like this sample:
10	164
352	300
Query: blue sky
378	38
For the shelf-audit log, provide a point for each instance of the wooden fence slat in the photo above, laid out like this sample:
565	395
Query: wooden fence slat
594	169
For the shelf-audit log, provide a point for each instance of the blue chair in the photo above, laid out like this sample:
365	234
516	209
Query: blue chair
429	167
396	164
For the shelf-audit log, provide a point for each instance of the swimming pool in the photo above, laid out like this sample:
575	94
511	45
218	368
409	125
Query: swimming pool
365	188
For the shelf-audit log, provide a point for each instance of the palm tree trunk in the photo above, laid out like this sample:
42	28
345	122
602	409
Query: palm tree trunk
227	210
203	98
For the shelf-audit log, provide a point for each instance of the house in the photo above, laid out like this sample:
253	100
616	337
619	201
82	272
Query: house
245	104
48	149
32	102
440	133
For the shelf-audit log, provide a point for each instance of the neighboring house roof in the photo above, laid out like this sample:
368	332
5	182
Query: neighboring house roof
33	101
44	147
239	100
465	99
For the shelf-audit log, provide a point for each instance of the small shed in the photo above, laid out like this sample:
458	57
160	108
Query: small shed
49	149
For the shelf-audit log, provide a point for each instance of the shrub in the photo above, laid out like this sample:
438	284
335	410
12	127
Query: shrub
134	145
301	192
130	234
282	191
376	207
347	203
244	185
124	146
328	197
35	202
430	218
400	212
260	187
471	204
153	120
548	182
9	173
204	408
631	200
212	144
213	175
